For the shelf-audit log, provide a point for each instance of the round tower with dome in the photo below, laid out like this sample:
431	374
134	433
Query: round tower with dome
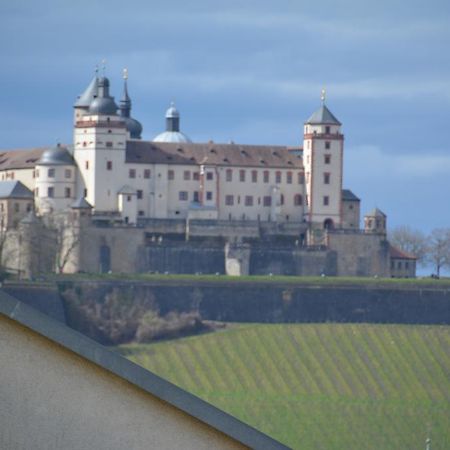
55	174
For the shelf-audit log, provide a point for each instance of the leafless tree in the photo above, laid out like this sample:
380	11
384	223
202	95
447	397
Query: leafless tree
67	235
439	249
411	241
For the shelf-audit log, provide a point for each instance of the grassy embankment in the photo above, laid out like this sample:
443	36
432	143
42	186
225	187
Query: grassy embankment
278	279
321	386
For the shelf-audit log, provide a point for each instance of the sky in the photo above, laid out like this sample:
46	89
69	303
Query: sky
251	72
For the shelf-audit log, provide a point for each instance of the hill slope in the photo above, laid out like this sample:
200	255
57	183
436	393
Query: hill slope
319	386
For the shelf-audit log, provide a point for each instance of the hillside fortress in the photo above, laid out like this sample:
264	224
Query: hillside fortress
111	201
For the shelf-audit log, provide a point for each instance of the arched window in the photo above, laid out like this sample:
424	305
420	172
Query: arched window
298	200
281	199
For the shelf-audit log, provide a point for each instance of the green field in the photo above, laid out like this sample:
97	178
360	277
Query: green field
319	386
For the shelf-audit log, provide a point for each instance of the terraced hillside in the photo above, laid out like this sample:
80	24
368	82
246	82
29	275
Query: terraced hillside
320	386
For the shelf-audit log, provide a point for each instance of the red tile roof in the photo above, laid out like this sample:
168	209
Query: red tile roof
396	253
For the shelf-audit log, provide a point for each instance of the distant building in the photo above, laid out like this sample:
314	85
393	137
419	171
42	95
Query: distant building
232	191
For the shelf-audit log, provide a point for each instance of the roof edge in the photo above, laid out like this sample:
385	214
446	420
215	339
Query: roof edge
136	375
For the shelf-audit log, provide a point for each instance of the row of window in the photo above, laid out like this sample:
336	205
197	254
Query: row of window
28	207
51	173
51	192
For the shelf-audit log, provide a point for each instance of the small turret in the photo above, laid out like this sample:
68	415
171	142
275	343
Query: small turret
133	126
375	222
172	133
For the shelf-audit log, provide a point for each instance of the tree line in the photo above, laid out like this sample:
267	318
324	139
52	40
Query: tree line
431	249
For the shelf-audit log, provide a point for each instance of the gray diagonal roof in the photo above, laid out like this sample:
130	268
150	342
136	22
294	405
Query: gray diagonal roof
323	116
140	377
14	189
348	195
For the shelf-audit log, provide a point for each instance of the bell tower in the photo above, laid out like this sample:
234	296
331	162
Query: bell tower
323	148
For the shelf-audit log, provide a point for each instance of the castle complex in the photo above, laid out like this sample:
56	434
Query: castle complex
172	205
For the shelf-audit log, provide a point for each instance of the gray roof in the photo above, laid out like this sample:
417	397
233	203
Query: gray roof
14	189
20	158
349	196
85	99
30	219
57	156
375	213
81	203
228	155
323	116
134	374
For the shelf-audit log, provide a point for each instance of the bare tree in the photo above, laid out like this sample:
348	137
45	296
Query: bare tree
439	249
67	235
411	241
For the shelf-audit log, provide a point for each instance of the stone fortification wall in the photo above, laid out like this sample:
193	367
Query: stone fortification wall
100	308
360	254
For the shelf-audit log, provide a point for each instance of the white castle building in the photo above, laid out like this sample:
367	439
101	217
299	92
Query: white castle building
120	179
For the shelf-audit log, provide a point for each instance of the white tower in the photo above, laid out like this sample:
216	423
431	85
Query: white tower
323	147
99	150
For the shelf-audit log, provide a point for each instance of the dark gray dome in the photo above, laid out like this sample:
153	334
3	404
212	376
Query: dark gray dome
57	156
103	103
103	106
134	127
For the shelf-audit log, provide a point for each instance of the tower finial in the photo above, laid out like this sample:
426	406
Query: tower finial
96	70
103	66
125	74
323	95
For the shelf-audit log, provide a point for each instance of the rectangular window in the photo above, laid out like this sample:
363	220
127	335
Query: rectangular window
67	192
140	213
242	175
183	195
326	200
209	175
109	144
300	178
186	175
140	194
108	165
327	130
132	173
68	173
147	173
50	192
85	192
34	174
196	197
327	145
229	200
170	175
196	176
16	207
278	177
266	176
128	198
248	200
326	178
51	173
209	195
327	159
86	165
267	200
254	176
29	207
289	177
229	175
